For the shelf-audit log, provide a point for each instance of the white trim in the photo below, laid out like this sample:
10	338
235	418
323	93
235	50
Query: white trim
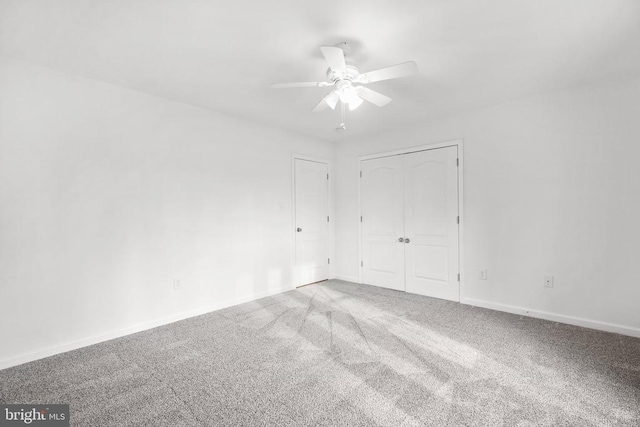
358	218
63	348
554	317
435	145
352	279
459	143
330	251
310	158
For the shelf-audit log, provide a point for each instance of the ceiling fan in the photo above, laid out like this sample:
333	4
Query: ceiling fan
349	82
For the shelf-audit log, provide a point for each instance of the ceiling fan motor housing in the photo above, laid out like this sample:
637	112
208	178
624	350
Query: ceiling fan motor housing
349	74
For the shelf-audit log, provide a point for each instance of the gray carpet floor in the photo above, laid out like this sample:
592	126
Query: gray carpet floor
341	354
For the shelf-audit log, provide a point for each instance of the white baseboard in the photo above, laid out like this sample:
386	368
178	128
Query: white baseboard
63	348
347	278
561	318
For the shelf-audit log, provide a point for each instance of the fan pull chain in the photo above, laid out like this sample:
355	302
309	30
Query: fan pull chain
343	115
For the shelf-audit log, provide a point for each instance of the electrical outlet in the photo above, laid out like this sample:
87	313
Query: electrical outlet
548	281
484	275
176	284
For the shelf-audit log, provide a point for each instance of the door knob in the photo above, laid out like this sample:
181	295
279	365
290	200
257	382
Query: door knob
298	229
400	239
407	240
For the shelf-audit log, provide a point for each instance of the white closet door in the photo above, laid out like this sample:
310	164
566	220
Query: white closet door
431	223
382	222
312	228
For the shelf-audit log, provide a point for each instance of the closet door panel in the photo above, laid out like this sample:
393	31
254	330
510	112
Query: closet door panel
431	222
382	222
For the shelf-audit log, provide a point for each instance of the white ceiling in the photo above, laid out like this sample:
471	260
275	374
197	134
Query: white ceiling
223	55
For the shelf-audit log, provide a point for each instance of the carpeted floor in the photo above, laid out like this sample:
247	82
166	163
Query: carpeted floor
341	354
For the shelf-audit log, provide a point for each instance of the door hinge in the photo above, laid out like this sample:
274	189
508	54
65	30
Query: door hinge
328	260
457	162
361	264
458	220
360	218
327	176
458	277
360	174
327	218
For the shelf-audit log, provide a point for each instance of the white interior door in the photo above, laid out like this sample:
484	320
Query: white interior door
431	223
382	222
311	218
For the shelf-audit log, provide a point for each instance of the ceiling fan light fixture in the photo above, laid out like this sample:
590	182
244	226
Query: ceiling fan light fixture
349	95
355	103
332	99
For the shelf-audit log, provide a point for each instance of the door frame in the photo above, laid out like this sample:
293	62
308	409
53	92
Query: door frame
294	267
452	143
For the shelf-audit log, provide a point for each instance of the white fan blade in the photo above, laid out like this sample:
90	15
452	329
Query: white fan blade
393	72
372	96
300	84
328	101
335	58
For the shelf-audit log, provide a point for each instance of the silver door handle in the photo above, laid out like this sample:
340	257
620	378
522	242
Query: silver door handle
298	229
407	240
400	239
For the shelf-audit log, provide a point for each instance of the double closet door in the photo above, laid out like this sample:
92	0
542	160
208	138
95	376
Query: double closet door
410	222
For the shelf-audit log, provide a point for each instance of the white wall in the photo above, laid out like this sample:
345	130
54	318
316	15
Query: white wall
107	195
551	187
